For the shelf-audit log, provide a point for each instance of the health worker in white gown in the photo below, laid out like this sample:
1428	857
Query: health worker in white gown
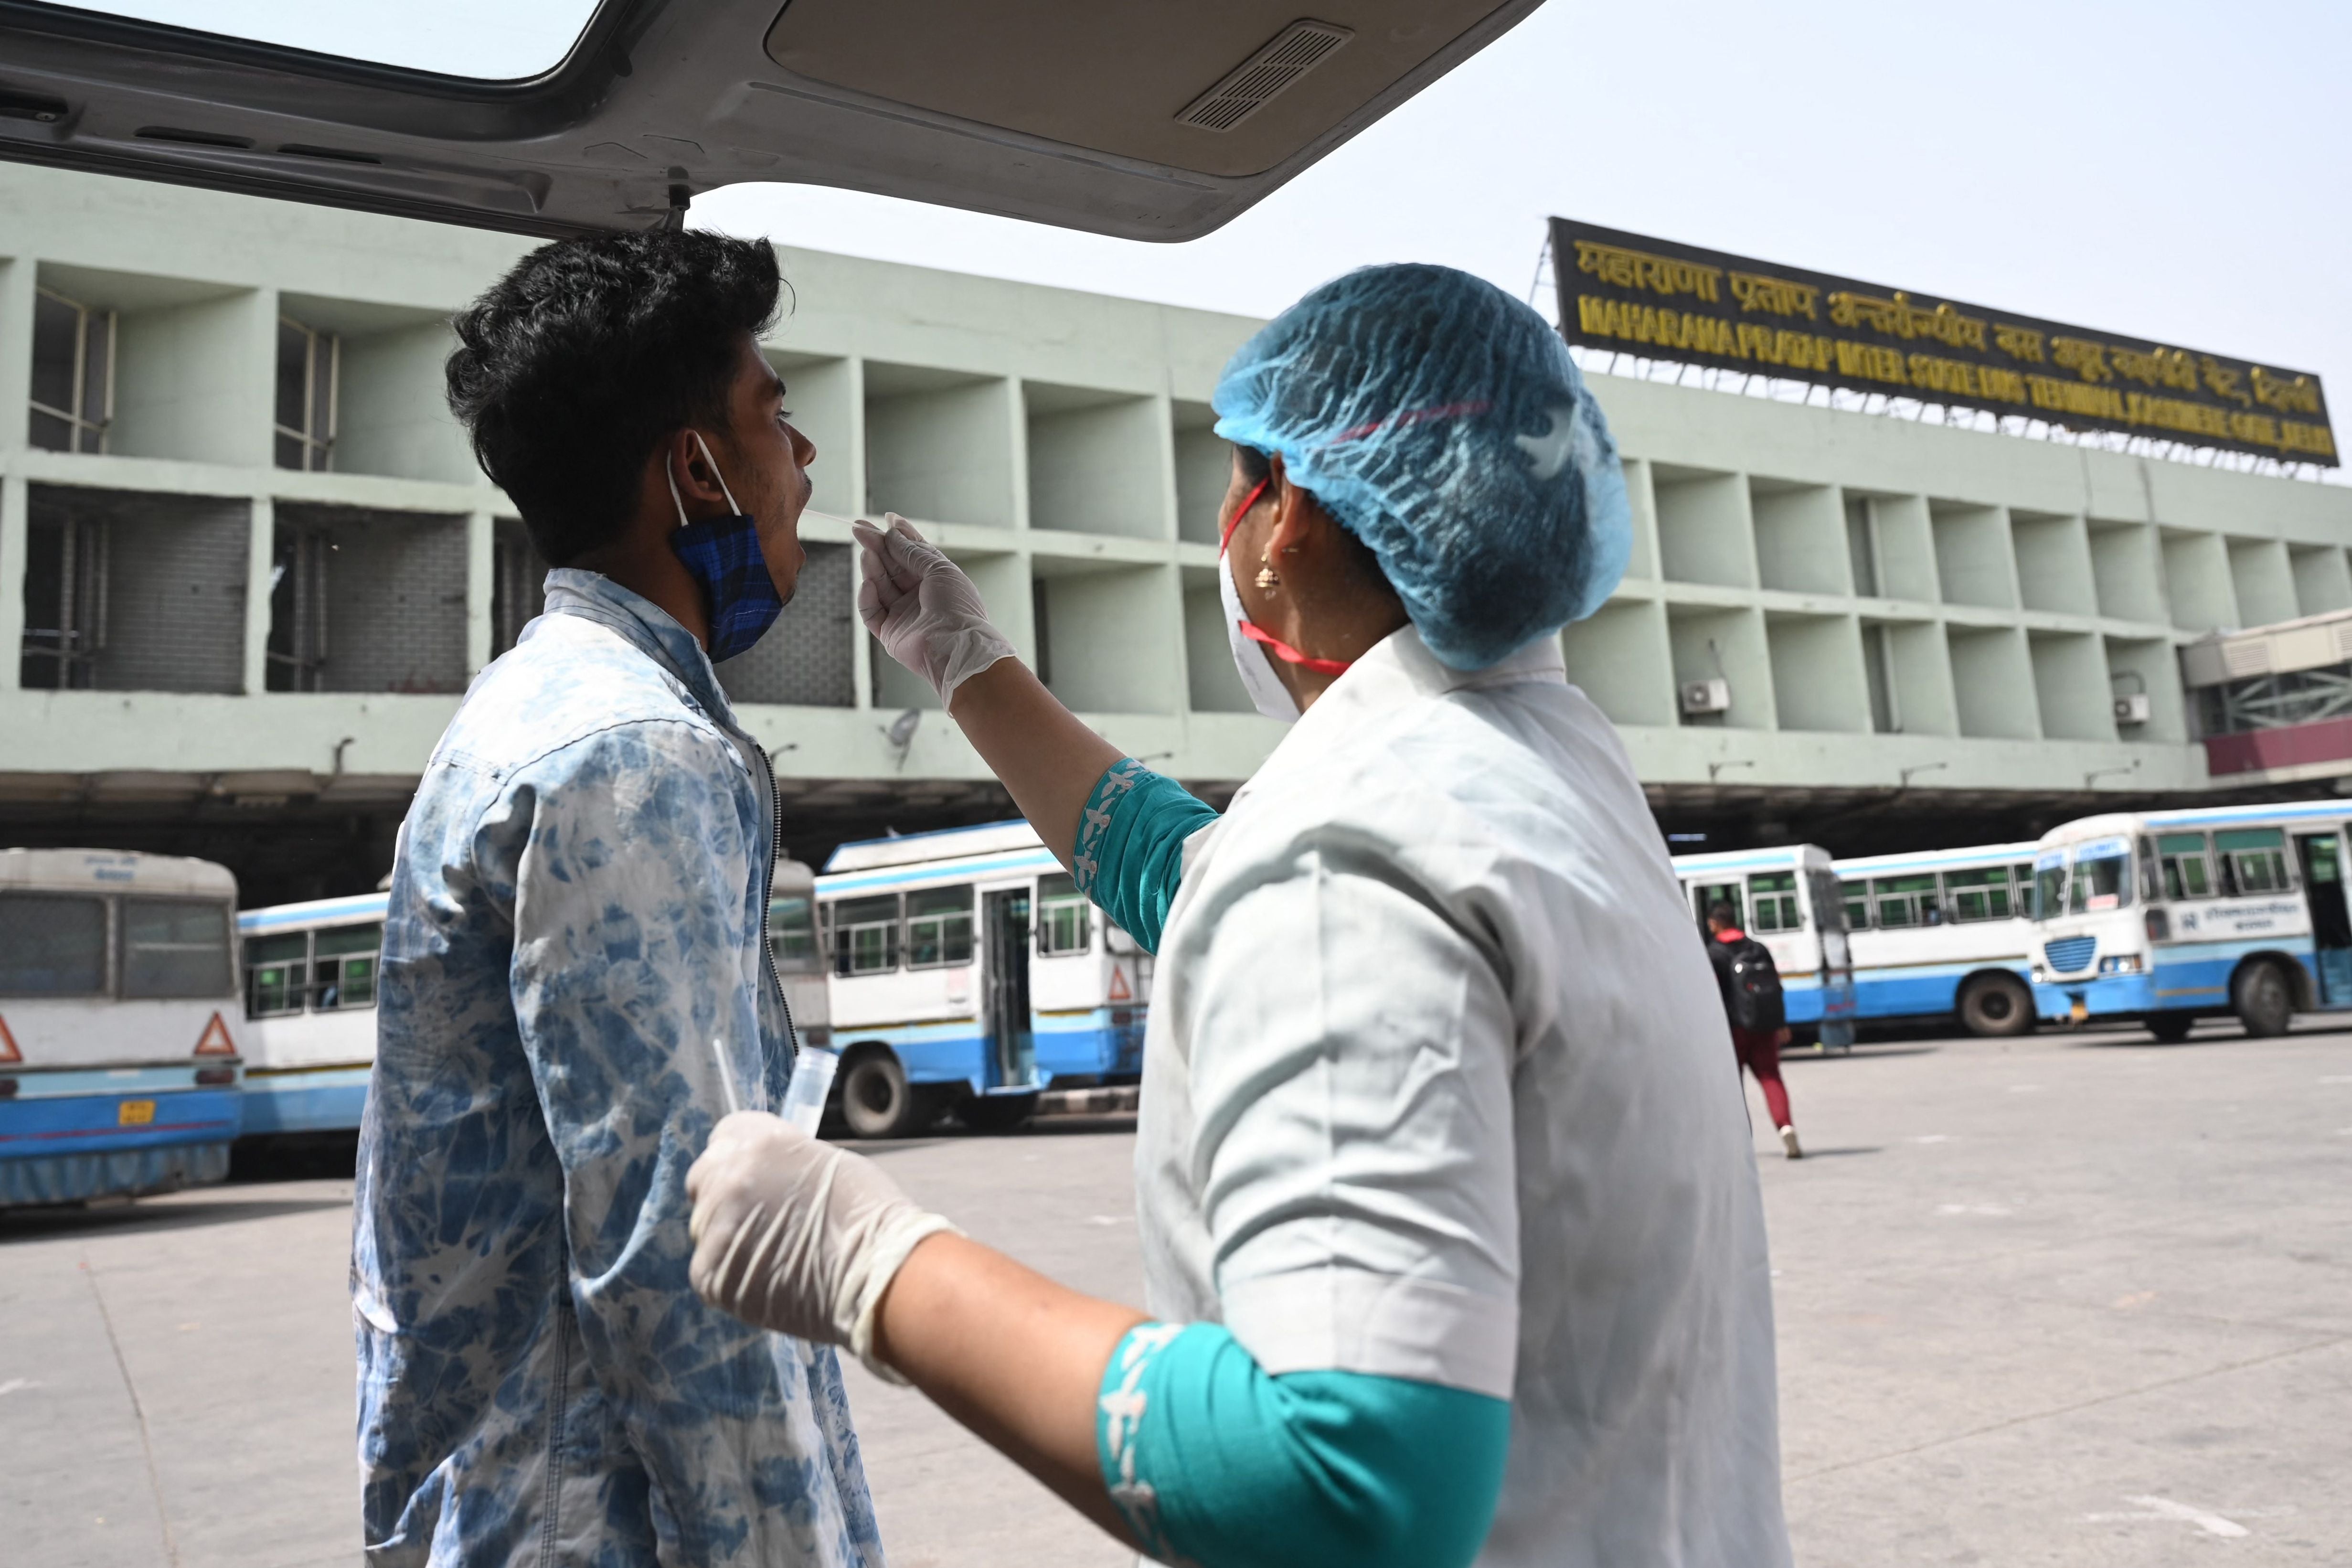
1453	1243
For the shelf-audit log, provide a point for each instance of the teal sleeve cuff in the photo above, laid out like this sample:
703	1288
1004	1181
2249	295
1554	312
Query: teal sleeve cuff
1212	1462
1130	850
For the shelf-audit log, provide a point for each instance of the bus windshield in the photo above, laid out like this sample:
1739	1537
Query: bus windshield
2049	888
2102	878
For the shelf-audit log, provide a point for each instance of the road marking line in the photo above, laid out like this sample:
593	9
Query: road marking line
1933	1138
14	1383
2168	1511
138	1410
2137	1299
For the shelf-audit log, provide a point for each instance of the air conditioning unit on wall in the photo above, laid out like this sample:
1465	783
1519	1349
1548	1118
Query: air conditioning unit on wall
1702	697
2132	708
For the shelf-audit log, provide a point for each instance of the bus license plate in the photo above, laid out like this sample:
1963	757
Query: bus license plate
134	1113
2079	1013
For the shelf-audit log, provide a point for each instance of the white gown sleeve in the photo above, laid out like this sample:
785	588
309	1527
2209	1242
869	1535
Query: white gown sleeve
1351	1084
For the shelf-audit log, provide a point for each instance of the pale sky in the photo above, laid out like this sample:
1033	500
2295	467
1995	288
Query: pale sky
2165	168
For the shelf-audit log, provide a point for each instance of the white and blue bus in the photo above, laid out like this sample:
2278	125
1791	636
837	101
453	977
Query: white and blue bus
969	972
119	1061
1943	934
1787	899
311	989
2166	917
309	1008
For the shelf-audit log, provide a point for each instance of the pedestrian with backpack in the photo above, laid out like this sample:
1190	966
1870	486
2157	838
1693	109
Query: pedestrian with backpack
1751	1001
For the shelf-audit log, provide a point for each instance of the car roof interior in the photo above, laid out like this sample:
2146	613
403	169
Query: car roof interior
1143	120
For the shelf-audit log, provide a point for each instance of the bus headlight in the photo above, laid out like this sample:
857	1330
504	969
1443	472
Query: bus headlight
2120	963
2041	976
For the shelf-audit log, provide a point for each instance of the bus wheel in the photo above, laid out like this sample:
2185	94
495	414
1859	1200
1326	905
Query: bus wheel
1997	1005
996	1112
2170	1027
2260	997
877	1100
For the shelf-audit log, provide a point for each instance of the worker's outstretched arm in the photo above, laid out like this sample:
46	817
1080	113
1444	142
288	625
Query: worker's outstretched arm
929	616
1173	1439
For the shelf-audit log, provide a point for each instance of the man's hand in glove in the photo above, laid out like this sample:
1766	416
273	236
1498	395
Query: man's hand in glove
798	1236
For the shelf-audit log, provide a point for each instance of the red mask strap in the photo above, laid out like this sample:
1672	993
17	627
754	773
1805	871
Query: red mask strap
1250	629
1241	511
1289	655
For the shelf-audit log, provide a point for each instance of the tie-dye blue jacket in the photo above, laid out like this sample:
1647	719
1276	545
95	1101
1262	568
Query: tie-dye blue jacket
575	928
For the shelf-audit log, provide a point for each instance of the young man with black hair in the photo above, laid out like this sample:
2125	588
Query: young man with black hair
1753	1004
575	974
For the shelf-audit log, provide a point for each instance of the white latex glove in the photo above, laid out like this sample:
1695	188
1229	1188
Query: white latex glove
923	608
798	1236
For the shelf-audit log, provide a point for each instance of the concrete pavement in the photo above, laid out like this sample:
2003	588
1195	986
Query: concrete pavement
2068	1300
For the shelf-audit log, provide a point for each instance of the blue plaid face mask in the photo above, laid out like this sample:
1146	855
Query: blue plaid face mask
723	555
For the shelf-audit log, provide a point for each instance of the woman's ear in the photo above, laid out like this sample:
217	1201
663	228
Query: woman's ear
1294	513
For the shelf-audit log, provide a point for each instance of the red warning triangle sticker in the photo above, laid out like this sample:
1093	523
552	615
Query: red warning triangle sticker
8	1051
216	1042
1118	991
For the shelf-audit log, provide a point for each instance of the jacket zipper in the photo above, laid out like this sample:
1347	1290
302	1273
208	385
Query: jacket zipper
767	897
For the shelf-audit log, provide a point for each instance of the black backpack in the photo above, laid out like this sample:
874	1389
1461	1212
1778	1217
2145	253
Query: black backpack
1751	987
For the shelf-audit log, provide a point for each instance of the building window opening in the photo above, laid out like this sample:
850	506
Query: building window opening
309	371
73	374
517	586
64	604
298	611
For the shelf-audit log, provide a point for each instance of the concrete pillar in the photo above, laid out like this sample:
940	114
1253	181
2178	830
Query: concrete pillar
12	577
853	456
16	383
262	549
481	571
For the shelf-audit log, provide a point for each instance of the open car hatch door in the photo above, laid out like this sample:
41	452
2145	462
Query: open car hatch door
1146	121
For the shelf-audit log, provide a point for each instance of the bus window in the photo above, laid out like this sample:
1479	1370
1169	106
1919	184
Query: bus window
52	945
274	967
2187	872
939	927
2253	860
175	947
1064	918
1772	898
1855	896
1981	894
792	934
1709	894
865	935
1908	900
2102	879
343	967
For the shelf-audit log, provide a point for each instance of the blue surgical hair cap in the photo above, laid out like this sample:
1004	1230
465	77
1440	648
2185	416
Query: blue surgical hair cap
1442	422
